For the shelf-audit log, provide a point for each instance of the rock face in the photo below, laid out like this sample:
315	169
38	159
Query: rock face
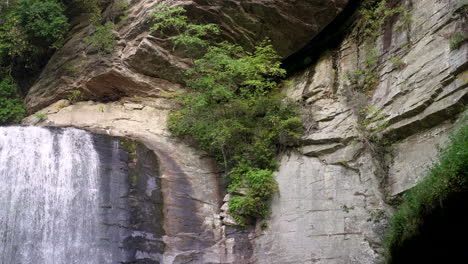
335	193
142	64
190	186
69	196
333	200
132	199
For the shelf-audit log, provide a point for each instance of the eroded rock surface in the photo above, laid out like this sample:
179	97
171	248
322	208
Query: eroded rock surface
190	187
142	64
334	196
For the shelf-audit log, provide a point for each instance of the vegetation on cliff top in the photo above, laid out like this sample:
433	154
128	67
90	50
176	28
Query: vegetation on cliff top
30	30
233	110
448	178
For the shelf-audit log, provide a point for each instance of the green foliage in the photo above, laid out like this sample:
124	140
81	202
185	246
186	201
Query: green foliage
375	16
92	8
12	109
103	39
235	112
457	40
40	117
172	21
365	78
74	96
120	9
259	186
227	70
31	29
448	177
43	20
374	120
397	62
13	40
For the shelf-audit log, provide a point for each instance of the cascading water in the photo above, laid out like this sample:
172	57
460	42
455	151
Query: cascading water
58	203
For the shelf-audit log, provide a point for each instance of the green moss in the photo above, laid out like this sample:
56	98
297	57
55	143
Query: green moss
131	146
448	177
347	209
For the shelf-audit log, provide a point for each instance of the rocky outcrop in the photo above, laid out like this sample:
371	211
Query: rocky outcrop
334	195
190	187
143	64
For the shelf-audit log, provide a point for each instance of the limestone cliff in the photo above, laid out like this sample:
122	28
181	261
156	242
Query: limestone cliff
336	191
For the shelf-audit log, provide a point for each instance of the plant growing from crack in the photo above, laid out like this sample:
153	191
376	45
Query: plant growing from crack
102	39
40	117
365	78
457	40
74	96
375	16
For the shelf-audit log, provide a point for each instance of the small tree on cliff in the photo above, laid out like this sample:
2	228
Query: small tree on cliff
233	110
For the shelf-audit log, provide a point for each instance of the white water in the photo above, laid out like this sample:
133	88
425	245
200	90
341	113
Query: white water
49	197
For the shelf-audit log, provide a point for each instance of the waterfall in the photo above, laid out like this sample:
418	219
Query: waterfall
50	201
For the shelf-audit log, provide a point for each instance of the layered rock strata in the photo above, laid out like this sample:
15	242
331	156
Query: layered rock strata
144	64
335	193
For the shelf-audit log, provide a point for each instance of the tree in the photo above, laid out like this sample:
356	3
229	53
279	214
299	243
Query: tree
233	110
12	109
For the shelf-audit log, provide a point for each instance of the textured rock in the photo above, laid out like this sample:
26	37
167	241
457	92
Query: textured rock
322	215
332	206
144	65
132	199
189	184
332	203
